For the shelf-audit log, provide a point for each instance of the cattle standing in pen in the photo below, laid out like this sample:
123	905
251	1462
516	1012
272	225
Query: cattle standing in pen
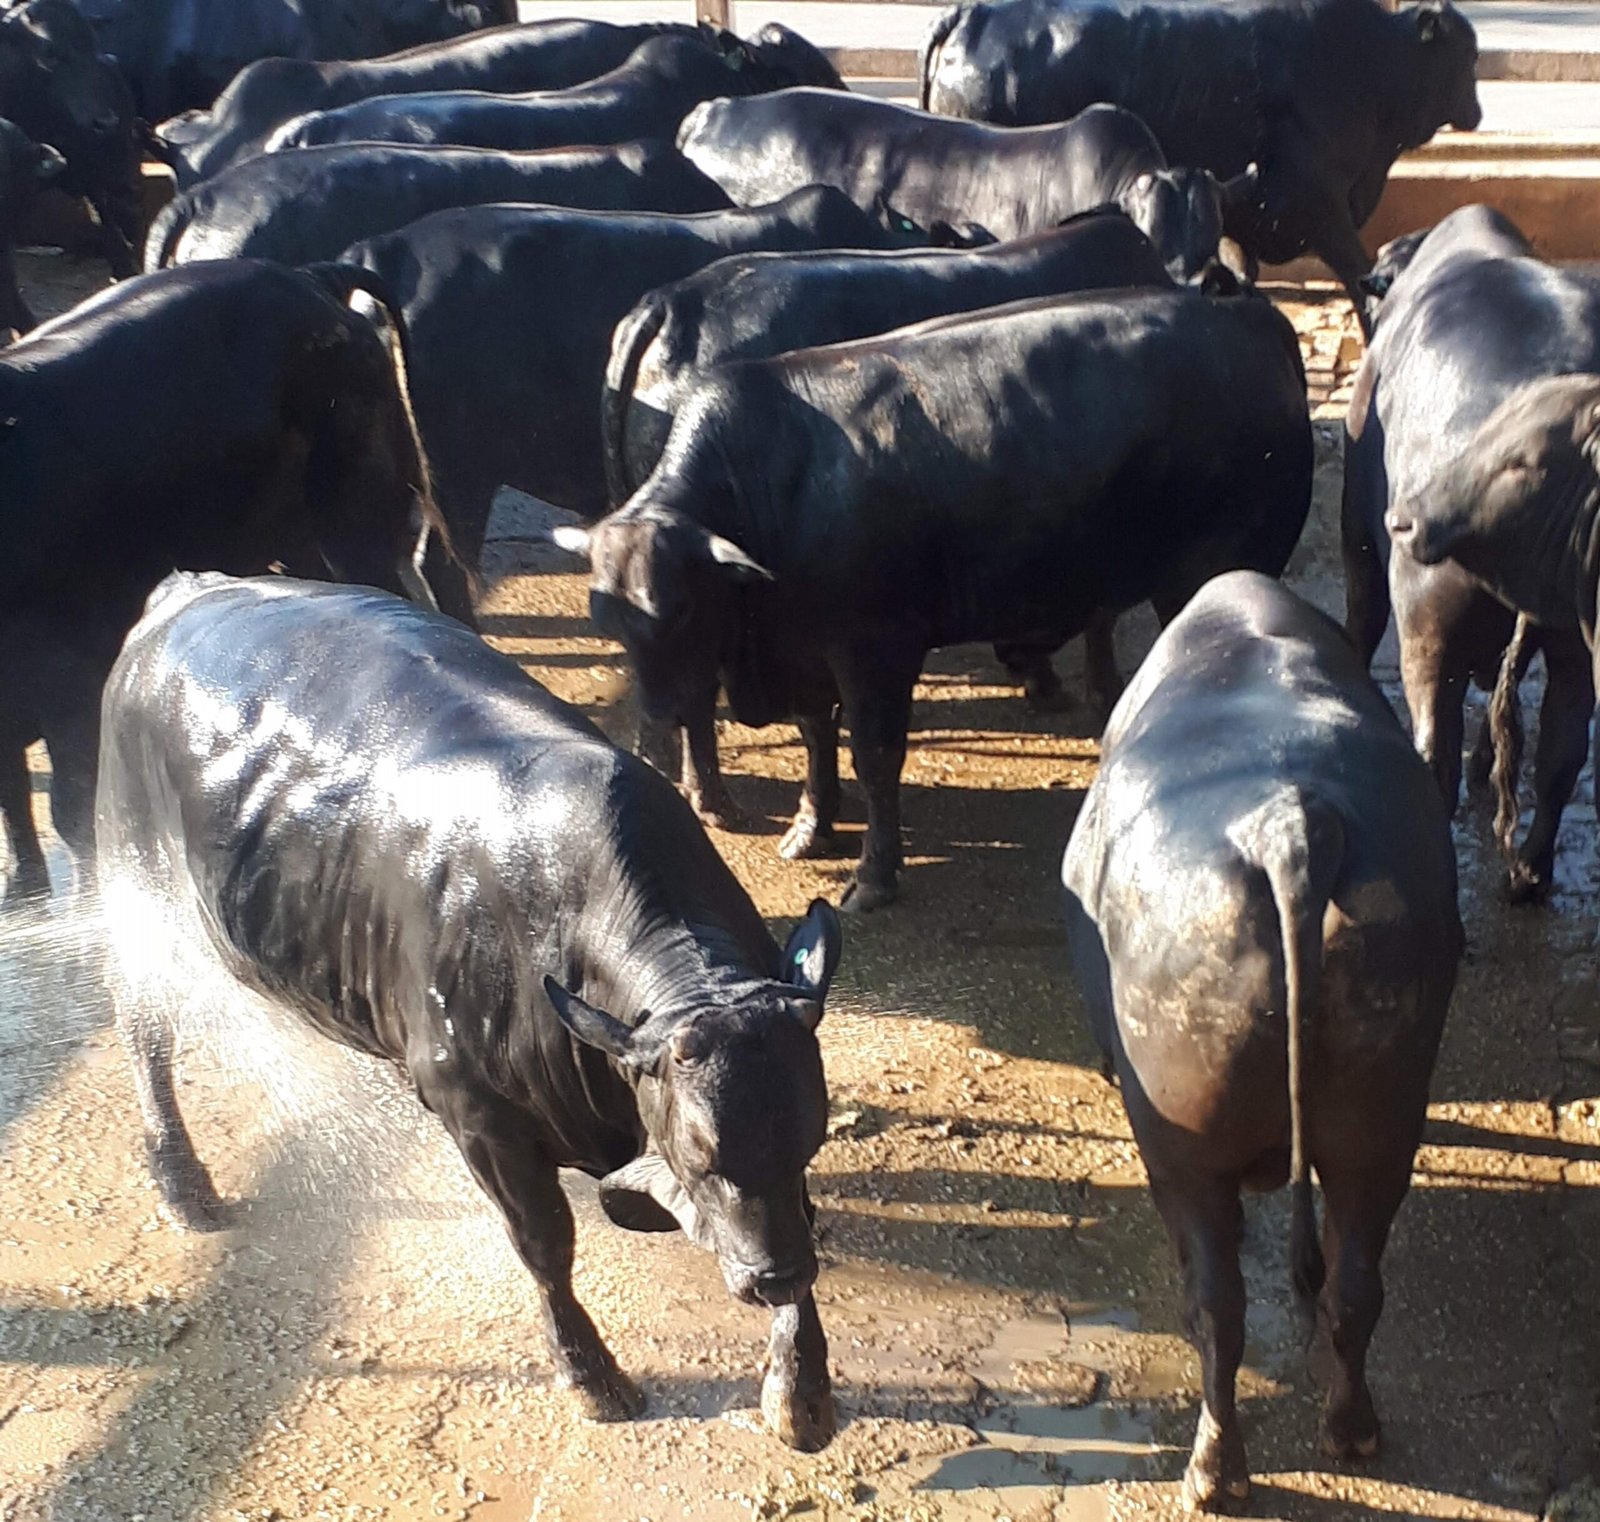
310	205
178	55
279	432
1009	181
543	55
755	305
60	91
1324	95
819	521
511	310
432	860
646	96
1470	318
1261	915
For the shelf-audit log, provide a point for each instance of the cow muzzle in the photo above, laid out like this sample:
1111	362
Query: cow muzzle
1406	533
770	1285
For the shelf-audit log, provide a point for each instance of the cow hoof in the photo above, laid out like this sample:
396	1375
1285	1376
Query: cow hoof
1340	1441
804	1422
1046	696
863	897
718	812
1526	885
1205	1490
188	1197
805	838
608	1397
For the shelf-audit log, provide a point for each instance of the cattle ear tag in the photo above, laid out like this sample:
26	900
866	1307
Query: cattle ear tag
644	1195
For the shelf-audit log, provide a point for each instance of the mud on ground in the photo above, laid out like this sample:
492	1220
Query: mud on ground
999	1299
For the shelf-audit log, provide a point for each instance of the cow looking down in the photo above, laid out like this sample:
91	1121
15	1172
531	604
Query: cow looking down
820	520
1261	916
432	860
1009	181
1324	95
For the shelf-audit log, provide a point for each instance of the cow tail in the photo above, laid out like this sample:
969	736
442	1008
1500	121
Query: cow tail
161	243
1505	733
634	334
943	25
342	281
1297	841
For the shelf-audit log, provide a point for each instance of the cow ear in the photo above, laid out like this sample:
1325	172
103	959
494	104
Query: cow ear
811	954
728	555
1430	22
594	1027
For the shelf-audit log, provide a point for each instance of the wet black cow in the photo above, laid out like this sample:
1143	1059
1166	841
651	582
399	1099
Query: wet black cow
1323	94
757	305
821	520
544	55
227	416
311	204
178	54
1471	320
1261	915
60	91
25	168
1010	181
432	860
511	311
647	96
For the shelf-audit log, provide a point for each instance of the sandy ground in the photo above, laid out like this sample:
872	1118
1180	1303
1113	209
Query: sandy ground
999	1299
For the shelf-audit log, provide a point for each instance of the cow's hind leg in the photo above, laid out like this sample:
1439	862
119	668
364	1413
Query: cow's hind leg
1031	665
513	1171
1360	1206
812	830
876	686
1563	746
182	1178
1204	1220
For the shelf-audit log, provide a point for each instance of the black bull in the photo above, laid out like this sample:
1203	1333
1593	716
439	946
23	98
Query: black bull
1471	322
278	432
821	520
1261	913
430	859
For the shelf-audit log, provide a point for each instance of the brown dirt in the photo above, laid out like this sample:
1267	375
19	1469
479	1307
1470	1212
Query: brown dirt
998	1296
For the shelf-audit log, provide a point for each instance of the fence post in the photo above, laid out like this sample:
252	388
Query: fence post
715	12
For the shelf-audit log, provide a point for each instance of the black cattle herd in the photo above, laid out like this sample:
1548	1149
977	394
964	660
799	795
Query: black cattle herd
818	383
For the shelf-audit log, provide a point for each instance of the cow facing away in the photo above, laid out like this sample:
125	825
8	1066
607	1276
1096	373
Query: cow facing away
310	205
433	861
544	55
60	91
179	54
1324	95
648	95
1009	181
511	311
1261	916
820	520
279	433
1471	320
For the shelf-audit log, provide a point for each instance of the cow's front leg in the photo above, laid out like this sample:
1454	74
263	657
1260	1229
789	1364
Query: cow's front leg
702	782
1203	1219
512	1170
796	1393
1339	246
812	830
876	686
30	877
120	226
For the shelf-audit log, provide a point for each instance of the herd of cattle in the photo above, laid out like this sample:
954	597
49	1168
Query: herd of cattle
820	383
